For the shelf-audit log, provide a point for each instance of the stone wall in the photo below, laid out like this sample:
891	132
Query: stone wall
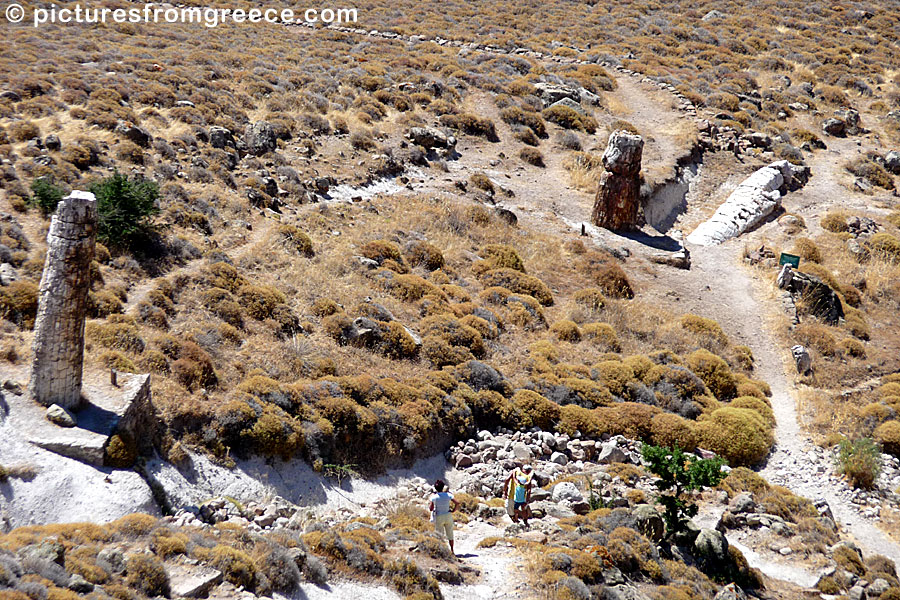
59	327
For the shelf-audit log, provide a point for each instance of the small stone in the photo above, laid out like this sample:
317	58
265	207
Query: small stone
57	415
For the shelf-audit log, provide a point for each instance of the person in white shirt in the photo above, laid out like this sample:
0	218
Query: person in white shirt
441	505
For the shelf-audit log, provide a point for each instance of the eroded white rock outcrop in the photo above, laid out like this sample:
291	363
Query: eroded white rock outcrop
753	200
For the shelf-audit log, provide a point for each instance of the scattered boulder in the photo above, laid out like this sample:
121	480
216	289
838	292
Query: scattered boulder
551	93
260	138
731	592
611	453
566	491
133	133
850	118
432	138
892	162
192	581
711	545
801	359
649	522
618	197
58	415
835	127
8	274
742	503
818	295
219	137
52	142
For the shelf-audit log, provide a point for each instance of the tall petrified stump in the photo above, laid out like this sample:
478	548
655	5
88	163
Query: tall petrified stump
59	328
618	198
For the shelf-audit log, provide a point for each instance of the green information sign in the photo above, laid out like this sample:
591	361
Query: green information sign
789	259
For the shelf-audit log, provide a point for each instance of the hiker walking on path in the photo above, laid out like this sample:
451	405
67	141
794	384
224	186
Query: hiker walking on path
441	505
518	493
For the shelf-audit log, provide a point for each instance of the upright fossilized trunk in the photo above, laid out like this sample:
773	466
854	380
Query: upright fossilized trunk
618	197
59	328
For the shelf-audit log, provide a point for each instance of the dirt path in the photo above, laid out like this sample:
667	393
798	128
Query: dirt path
737	302
502	569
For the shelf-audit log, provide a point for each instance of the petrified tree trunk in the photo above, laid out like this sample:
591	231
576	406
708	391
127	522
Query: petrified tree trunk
59	327
618	196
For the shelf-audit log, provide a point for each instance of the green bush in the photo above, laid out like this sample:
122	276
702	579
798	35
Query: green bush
126	207
45	195
860	461
679	474
740	435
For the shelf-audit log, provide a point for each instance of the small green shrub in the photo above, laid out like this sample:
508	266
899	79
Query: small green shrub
680	474
45	194
126	207
860	461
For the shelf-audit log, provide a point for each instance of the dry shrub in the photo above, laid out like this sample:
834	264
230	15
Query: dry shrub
535	410
835	222
740	435
501	256
519	283
888	435
147	574
603	335
606	274
590	299
19	303
296	239
532	156
807	249
816	336
714	372
885	246
670	430
705	328
422	253
569	118
852	347
566	331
